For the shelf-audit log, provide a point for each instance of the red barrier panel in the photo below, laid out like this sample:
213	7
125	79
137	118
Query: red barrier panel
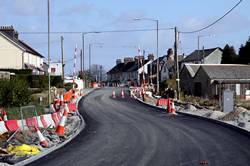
43	121
72	107
11	125
55	118
162	102
31	122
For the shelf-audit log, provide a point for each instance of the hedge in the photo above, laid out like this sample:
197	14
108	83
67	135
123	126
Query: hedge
14	92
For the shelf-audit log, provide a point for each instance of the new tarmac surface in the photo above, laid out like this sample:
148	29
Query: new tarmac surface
124	132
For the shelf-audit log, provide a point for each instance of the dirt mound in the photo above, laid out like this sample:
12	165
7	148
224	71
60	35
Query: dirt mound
234	115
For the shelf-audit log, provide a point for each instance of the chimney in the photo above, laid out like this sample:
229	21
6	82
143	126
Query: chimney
151	57
118	61
139	58
128	59
170	54
10	31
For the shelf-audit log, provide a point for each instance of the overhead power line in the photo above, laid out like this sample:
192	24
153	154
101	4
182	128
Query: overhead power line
107	31
208	26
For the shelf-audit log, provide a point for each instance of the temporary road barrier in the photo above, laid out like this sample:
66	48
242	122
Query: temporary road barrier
22	124
31	122
162	102
49	120
72	107
11	125
3	128
42	119
55	118
39	122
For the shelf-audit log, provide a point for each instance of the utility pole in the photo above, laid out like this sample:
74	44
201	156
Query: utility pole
203	55
176	62
62	58
49	95
84	76
157	56
81	64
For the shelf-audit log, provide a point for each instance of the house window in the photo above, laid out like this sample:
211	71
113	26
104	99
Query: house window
53	70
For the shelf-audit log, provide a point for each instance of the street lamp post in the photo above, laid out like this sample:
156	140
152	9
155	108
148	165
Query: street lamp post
83	45
90	46
157	50
198	51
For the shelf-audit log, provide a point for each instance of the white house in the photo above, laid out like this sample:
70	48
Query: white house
56	69
15	54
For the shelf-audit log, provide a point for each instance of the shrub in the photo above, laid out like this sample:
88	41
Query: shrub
14	92
57	81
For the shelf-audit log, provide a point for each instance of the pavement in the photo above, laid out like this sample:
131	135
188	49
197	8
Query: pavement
125	132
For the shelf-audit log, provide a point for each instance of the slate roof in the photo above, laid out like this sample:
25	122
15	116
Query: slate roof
225	71
128	67
116	69
194	56
20	44
192	68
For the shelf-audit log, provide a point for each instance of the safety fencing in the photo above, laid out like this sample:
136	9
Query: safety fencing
50	120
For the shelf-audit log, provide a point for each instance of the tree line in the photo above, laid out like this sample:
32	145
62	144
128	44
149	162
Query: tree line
229	55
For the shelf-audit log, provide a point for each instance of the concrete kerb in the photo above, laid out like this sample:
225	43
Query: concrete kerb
56	147
236	128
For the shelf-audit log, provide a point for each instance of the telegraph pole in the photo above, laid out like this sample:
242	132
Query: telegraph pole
62	58
177	63
49	96
81	64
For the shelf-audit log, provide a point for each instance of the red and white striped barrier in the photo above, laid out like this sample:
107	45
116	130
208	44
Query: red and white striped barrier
3	128
49	121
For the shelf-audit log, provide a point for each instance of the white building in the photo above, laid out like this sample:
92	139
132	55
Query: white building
56	69
15	54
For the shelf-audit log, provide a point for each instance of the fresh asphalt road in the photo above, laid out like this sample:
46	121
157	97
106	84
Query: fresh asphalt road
124	132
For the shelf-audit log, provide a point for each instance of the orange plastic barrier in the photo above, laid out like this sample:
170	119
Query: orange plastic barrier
67	96
11	125
31	122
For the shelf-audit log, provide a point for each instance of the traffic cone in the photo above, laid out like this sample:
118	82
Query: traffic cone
113	94
60	127
168	106
173	111
122	94
5	118
43	142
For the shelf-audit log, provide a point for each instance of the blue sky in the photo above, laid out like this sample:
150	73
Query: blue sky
98	15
